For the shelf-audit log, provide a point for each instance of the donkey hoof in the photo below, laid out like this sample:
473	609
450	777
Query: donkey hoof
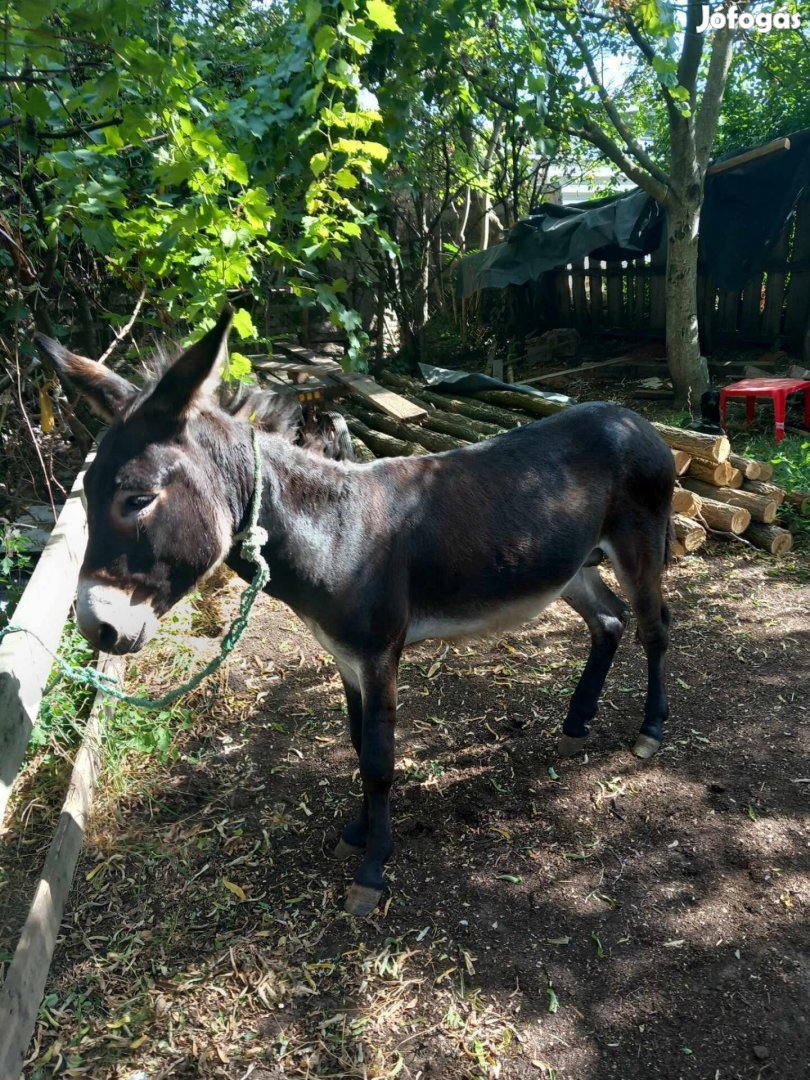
646	746
569	745
345	850
361	899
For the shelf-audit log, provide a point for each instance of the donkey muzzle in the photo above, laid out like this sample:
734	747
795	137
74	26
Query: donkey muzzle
112	619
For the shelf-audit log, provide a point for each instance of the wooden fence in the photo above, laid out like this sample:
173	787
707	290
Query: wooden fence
630	296
25	663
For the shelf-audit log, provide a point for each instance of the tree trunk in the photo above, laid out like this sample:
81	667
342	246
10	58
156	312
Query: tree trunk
689	370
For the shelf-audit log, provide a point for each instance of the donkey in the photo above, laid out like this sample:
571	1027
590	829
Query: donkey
375	556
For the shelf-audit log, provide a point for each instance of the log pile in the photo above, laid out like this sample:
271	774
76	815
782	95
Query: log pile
718	493
725	494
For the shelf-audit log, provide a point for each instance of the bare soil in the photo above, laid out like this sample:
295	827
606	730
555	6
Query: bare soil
579	920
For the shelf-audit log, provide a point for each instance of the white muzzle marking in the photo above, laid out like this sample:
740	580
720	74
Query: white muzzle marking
111	620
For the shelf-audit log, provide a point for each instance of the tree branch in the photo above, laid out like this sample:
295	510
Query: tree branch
709	113
635	148
692	51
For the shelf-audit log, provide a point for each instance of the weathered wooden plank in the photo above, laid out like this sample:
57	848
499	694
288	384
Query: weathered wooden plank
774	147
640	303
562	291
775	290
595	297
615	302
580	368
729	309
27	973
798	299
578	295
25	660
751	308
658	289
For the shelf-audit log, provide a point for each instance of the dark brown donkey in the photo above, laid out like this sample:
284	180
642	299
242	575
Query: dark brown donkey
375	556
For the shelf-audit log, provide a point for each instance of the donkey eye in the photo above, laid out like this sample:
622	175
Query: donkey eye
134	503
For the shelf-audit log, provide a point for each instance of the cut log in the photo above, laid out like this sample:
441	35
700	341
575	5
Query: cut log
361	451
760	507
431	440
690	532
710	447
686	503
682	461
762	487
380	445
770	538
799	500
527	403
724	517
719	475
447	424
751	470
677	550
765	470
491	415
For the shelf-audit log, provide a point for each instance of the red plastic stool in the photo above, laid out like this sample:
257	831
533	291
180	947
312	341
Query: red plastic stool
775	389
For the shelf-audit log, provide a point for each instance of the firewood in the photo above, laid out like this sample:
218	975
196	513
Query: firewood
799	500
719	475
488	419
527	403
765	470
751	470
447	424
762	487
724	517
380	444
710	447
431	440
677	550
760	506
770	538
690	533
361	451
682	461
686	503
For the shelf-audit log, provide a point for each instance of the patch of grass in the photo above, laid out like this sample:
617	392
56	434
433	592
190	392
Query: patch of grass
791	470
65	703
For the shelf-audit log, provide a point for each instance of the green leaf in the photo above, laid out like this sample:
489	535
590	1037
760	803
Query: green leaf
513	879
383	15
325	38
553	1000
238	367
235	168
318	162
243	325
346	179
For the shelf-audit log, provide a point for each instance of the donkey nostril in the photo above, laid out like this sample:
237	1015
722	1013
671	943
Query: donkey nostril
107	636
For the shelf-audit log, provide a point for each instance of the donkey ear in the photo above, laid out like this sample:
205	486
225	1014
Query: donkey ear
107	393
195	374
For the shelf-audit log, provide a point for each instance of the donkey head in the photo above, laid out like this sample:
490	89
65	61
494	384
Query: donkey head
161	512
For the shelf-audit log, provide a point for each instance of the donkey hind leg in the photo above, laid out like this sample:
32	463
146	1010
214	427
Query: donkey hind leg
639	569
352	842
379	695
606	617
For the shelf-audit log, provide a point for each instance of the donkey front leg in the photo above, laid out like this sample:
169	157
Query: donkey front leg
379	695
352	842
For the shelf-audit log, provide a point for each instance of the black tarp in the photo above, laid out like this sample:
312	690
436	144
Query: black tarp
744	211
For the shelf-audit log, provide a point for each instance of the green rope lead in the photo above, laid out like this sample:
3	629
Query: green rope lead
253	539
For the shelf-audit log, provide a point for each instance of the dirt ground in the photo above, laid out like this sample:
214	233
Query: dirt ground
579	920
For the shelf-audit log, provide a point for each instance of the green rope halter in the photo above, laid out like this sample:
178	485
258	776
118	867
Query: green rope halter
253	538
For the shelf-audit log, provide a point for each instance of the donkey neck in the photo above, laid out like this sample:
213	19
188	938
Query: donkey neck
311	511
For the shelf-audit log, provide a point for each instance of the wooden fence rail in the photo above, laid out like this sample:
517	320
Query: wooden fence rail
594	295
25	663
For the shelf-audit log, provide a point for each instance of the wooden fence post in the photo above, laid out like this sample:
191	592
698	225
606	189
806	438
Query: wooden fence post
25	661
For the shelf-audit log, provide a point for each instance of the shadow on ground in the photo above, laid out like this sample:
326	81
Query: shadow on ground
602	918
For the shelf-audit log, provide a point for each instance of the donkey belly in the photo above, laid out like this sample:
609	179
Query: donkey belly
480	620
